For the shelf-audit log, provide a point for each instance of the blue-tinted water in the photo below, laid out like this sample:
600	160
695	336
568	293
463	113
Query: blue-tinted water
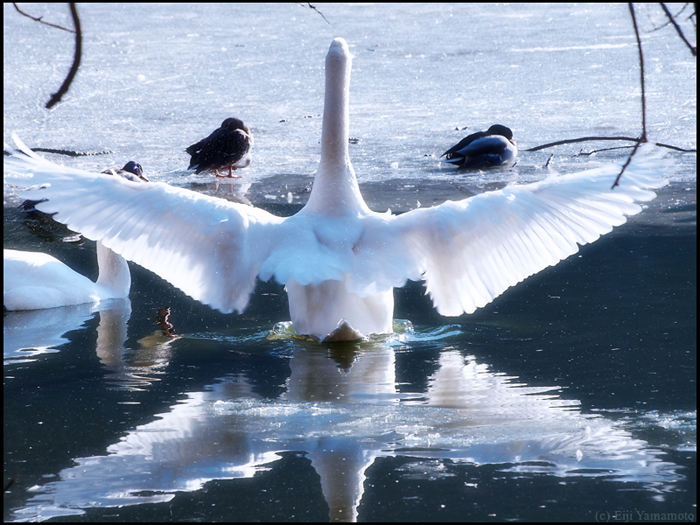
570	397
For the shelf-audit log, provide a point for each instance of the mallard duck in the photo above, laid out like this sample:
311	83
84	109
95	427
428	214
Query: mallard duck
493	147
132	171
339	260
227	147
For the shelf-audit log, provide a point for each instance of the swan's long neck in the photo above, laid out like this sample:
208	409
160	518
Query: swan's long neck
335	190
114	272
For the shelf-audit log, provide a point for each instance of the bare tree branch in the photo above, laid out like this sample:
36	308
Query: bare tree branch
659	144
643	138
40	19
692	48
617	180
319	12
56	97
637	140
582	139
586	139
595	151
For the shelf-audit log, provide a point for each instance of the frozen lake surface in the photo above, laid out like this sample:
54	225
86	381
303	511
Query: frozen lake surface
570	397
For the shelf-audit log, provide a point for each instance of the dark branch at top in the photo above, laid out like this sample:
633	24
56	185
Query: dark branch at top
671	18
319	12
40	19
56	97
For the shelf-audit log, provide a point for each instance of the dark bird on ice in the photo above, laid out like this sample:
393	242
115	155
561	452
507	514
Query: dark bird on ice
227	147
493	147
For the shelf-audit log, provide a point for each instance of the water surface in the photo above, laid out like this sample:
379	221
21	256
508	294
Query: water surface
570	397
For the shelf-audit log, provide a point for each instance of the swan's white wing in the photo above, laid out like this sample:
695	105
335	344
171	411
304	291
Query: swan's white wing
210	248
471	251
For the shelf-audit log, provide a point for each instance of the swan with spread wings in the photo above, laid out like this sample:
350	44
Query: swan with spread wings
339	260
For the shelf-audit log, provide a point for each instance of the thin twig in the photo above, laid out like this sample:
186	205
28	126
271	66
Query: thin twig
586	139
40	19
643	138
582	139
319	12
593	152
56	97
676	148
617	180
692	48
636	140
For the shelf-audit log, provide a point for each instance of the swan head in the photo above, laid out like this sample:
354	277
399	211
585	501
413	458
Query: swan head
340	48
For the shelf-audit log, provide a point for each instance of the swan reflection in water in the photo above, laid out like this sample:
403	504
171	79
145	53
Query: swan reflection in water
28	334
342	408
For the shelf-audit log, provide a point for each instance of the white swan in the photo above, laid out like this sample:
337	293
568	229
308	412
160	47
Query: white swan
338	259
35	280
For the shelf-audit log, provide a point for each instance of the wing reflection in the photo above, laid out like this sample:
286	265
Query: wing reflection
27	334
343	409
30	333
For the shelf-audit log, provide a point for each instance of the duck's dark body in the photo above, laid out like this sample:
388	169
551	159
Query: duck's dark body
493	147
227	147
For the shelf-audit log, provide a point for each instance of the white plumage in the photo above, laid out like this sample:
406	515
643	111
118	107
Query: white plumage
338	259
35	280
